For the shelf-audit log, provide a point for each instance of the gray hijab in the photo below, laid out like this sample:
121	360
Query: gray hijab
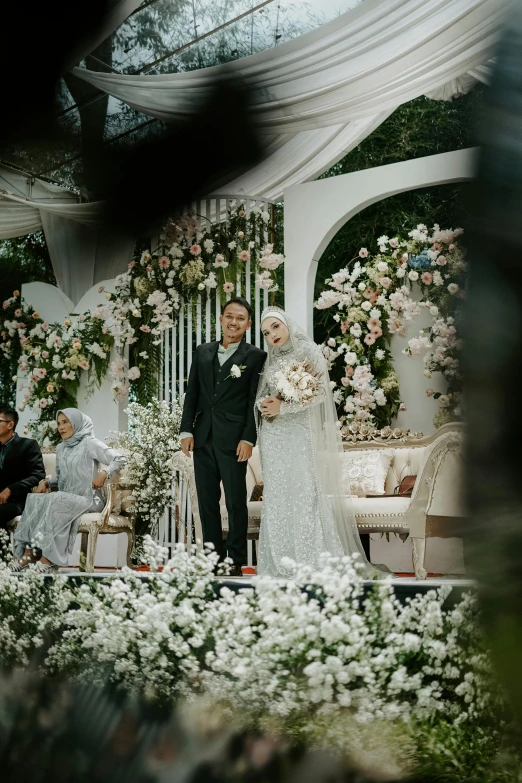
81	424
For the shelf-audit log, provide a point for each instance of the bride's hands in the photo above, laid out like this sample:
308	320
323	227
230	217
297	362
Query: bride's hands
270	406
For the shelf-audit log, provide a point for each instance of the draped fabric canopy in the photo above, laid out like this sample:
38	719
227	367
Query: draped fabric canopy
319	95
83	250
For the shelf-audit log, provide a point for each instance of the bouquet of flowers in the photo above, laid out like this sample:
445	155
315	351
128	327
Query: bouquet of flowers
299	382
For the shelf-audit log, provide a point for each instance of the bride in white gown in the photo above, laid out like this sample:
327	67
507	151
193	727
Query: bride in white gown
304	511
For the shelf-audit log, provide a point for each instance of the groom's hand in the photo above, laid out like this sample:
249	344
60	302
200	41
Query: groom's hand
187	446
243	451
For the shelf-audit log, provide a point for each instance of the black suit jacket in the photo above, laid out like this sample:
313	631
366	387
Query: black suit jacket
23	469
223	406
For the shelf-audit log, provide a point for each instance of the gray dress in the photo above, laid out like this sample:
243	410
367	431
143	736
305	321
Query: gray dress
294	522
50	521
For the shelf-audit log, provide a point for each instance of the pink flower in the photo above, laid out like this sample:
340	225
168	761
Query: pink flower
436	246
369	339
45	354
101	289
429	392
373	323
228	288
452	248
345	325
376	332
5	305
148	268
219	259
164	262
43	403
45	325
368	293
241	213
18	313
145	328
363	252
348	372
244	255
84	364
427	278
385	282
41	372
441	260
402	407
195	249
394	242
345	381
24	340
131	265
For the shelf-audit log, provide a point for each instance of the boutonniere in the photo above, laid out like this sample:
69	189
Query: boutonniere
235	371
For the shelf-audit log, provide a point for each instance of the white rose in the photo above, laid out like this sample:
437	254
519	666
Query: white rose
400	272
169	282
453	288
366	305
382	266
413	275
235	372
350	357
362	286
444	400
434	310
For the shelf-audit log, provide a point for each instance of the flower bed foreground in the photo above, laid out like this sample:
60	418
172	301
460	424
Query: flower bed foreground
312	658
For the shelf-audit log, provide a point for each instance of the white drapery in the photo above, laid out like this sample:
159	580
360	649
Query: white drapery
307	93
82	250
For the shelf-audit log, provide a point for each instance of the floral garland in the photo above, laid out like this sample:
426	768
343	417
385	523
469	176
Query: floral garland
191	260
53	358
374	298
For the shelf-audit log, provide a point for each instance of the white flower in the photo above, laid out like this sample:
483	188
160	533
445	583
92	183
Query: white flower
434	310
453	288
208	244
413	274
362	286
331	342
231	245
381	241
401	272
350	358
235	371
380	354
382	266
366	305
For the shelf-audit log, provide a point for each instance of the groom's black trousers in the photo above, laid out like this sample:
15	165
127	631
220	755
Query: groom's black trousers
213	465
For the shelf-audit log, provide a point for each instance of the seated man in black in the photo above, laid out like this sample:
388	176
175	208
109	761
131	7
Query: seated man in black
21	467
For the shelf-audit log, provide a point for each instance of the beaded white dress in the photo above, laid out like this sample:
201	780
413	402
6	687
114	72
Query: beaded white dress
304	511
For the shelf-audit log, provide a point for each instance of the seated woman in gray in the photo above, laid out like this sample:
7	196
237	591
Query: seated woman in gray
50	521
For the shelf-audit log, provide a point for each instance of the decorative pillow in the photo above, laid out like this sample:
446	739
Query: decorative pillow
364	472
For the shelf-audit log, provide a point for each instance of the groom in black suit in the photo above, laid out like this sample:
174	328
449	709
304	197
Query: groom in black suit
218	426
21	467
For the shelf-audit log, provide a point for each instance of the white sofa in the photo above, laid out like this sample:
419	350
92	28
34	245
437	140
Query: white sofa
117	516
435	507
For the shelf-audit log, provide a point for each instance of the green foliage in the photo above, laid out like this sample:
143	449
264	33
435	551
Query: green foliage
416	129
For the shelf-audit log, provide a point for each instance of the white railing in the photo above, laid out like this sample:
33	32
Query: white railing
198	322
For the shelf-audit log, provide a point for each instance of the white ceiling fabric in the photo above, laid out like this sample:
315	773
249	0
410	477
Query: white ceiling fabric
307	92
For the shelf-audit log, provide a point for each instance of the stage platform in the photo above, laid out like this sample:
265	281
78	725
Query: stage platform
403	586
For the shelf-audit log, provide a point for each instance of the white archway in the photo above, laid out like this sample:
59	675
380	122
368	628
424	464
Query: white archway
315	211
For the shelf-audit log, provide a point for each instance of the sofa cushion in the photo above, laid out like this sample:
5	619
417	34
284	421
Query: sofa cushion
364	472
379	507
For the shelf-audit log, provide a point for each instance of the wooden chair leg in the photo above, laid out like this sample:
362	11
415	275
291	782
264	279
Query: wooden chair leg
91	550
130	547
83	551
419	550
